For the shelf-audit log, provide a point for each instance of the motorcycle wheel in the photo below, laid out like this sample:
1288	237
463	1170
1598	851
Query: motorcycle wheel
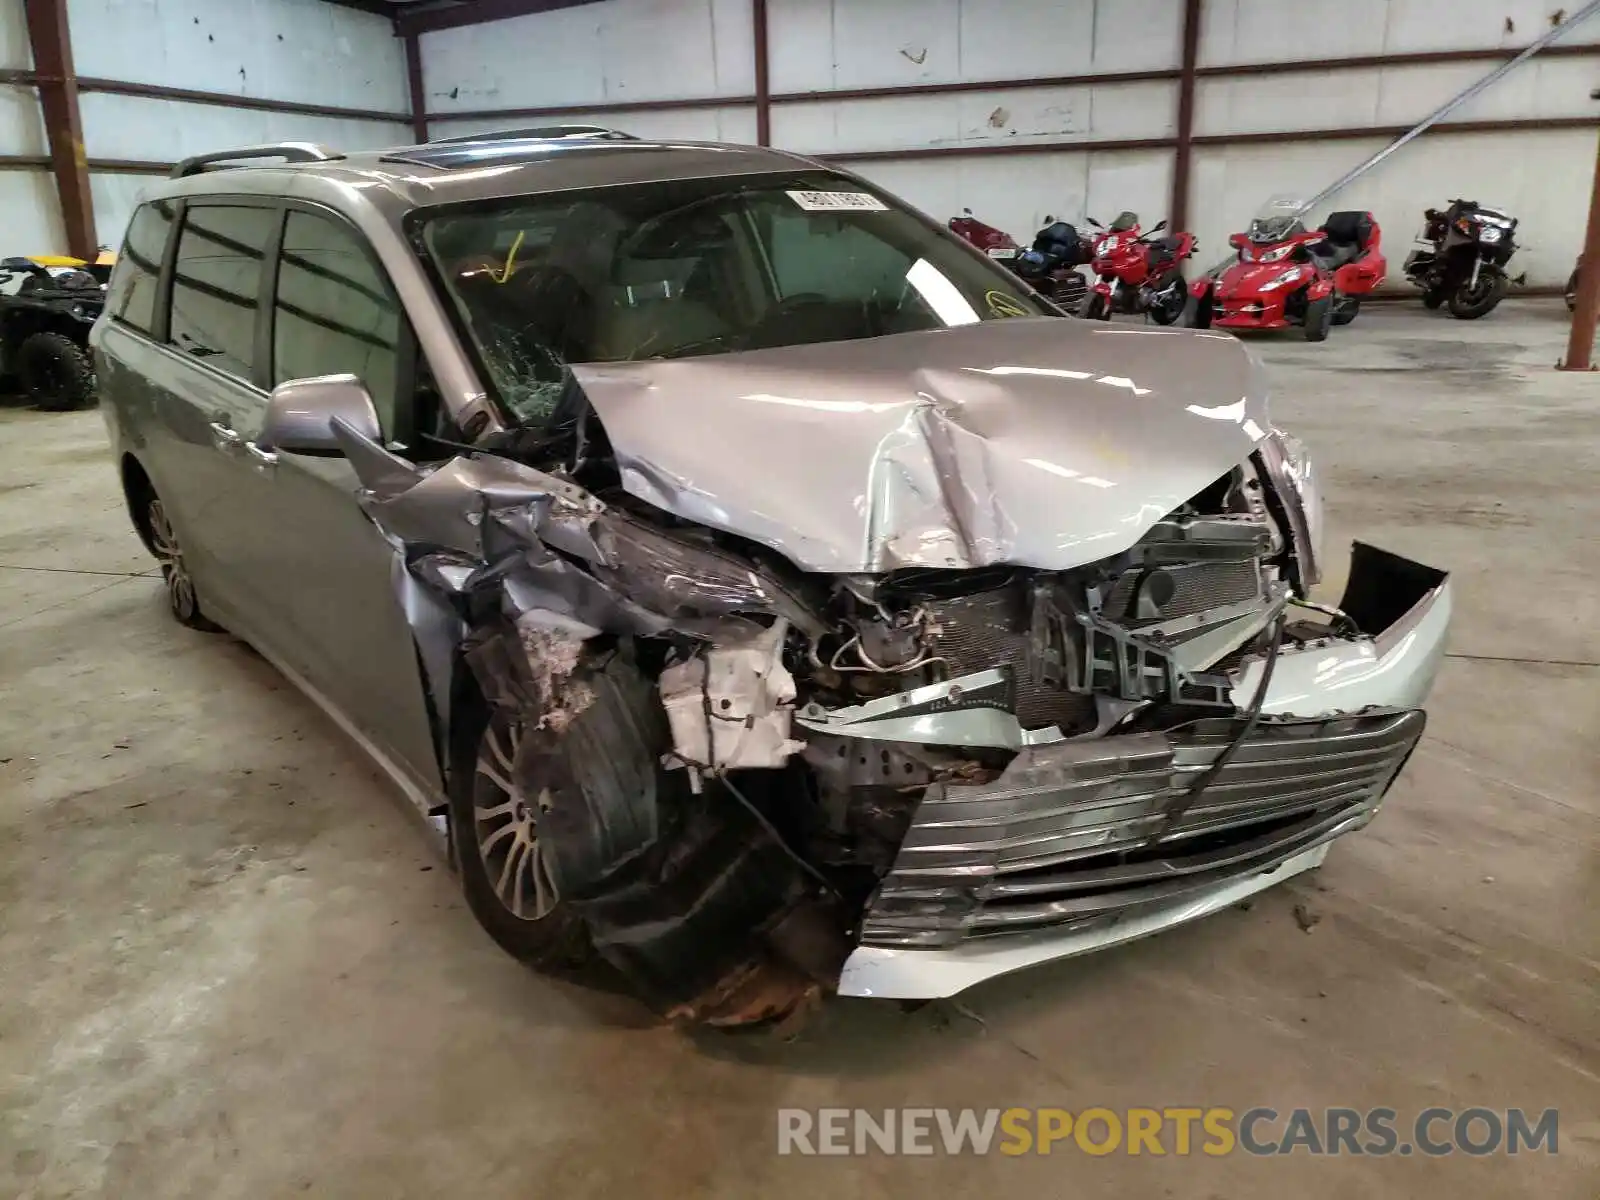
1098	308
1471	301
1319	319
1572	292
1201	311
1345	309
1170	303
1433	298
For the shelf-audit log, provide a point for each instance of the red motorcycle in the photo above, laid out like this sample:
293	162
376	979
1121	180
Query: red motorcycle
1138	272
1288	275
996	243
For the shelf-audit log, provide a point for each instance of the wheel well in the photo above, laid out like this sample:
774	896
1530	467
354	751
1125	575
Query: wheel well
138	490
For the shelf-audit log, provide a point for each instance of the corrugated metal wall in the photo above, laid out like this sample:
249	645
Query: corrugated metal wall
652	50
300	50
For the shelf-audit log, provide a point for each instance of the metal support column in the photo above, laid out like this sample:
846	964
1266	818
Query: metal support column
1586	307
419	97
758	21
63	124
1183	155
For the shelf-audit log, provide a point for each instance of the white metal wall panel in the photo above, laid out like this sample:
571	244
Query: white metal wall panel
733	123
14	50
32	218
1250	31
21	123
821	44
1125	110
305	50
115	197
167	130
613	51
1557	87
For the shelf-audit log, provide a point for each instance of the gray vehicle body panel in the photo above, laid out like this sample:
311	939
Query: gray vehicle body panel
1032	441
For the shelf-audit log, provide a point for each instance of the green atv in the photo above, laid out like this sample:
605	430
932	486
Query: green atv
47	306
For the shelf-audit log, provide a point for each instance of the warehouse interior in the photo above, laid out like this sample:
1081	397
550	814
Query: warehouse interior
230	964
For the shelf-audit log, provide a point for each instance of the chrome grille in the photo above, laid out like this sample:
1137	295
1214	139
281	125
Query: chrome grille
1079	831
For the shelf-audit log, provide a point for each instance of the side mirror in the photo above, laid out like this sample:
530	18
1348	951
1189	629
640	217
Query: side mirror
1237	240
1049	219
1095	223
300	413
966	212
1159	226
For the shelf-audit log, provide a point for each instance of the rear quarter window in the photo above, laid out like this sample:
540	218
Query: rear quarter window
131	297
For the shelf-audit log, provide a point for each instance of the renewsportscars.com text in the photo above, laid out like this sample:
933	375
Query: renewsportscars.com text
1214	1131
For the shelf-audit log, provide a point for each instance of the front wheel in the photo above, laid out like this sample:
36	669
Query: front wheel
1478	299
1098	308
1170	302
505	873
1572	292
56	372
1345	309
1319	319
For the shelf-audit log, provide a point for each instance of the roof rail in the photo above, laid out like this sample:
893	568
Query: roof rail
549	132
295	152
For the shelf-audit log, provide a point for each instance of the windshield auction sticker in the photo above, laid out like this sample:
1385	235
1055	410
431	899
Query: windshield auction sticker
1002	305
838	202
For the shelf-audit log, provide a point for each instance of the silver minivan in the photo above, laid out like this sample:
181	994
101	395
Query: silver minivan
756	587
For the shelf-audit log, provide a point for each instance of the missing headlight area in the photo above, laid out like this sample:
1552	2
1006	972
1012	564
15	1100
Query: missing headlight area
747	773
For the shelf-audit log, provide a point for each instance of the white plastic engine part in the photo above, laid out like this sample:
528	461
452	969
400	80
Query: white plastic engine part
730	706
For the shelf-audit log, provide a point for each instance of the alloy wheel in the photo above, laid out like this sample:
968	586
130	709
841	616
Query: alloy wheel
180	586
506	828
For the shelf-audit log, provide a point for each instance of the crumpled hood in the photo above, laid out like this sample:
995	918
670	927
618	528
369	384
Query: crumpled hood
1041	442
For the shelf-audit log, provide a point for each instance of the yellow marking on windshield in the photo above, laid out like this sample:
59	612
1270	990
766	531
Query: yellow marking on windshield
504	273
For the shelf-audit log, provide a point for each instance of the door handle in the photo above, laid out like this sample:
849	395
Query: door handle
263	458
225	438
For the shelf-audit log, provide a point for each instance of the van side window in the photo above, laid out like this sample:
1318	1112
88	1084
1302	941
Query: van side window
216	282
335	313
131	298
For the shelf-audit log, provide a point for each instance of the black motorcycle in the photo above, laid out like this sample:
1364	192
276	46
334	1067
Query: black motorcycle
1465	266
1050	265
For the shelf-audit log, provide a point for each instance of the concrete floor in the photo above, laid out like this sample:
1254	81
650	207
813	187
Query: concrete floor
230	967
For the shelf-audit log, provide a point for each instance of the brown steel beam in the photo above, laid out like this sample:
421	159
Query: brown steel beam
155	91
1586	305
1183	153
51	40
976	85
758	22
1355	132
474	12
97	166
378	8
419	98
1356	62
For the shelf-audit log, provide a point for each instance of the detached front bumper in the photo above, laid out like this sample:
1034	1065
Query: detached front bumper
1085	844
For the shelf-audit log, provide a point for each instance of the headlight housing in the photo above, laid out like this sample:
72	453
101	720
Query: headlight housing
1488	234
1277	255
1290	472
1289	276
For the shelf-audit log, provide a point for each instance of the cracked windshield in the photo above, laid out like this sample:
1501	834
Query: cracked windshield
681	268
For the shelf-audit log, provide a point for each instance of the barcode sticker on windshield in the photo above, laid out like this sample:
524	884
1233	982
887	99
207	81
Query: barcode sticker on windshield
838	202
